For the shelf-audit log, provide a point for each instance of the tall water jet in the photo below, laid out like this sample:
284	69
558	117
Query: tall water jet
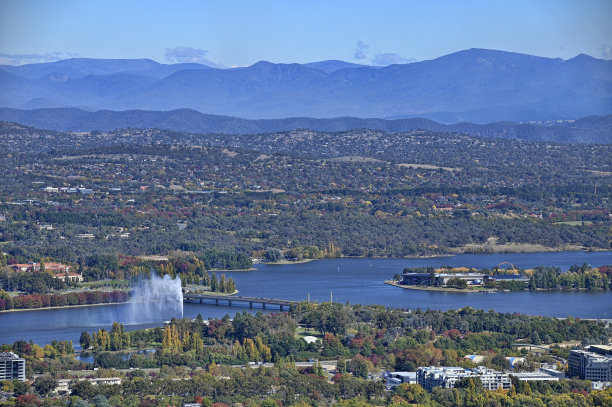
155	299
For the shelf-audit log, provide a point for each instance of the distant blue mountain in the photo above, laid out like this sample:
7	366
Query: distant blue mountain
475	85
78	67
593	129
332	65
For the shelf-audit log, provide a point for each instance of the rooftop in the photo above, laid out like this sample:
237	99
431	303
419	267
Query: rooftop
8	355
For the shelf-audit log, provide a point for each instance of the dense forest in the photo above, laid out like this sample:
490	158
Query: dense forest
141	192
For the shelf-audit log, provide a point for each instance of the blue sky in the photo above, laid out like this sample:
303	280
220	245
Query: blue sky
238	33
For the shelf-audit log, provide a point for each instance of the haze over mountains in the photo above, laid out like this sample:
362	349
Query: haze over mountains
588	130
474	85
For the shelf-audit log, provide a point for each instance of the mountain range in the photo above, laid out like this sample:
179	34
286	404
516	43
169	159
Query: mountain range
475	85
593	129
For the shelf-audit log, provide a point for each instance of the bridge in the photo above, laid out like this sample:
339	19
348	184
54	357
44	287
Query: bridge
233	299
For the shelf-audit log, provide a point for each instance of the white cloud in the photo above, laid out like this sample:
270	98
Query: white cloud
390	58
606	51
21	59
360	51
187	54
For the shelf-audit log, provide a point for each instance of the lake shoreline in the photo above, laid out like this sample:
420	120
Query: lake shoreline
440	289
62	307
486	290
358	281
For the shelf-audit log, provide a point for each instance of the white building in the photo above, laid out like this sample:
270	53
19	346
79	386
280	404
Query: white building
63	385
535	377
447	377
12	367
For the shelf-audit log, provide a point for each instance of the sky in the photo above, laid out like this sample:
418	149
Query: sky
228	33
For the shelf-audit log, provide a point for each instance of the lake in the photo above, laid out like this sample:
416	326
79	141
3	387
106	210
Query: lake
354	280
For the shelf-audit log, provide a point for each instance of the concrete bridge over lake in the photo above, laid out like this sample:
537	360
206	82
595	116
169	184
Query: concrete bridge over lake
237	300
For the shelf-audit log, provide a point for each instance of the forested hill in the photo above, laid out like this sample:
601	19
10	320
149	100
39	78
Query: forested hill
588	130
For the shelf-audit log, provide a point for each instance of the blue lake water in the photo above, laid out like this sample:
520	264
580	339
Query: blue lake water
353	280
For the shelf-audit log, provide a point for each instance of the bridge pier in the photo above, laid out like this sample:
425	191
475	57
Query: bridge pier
216	302
264	305
229	302
281	307
250	304
200	301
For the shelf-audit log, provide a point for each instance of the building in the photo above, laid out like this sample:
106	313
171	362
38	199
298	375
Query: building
535	377
12	367
63	385
594	364
75	277
105	380
49	266
440	279
447	377
551	371
394	379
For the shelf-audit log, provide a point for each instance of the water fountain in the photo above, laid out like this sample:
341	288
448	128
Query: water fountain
155	299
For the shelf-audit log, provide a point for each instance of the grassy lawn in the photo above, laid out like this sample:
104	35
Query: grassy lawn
575	223
301	332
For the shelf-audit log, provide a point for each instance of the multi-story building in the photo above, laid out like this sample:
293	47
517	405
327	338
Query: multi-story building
594	364
447	377
12	367
394	379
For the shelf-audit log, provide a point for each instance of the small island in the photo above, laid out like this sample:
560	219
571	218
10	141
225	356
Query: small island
540	278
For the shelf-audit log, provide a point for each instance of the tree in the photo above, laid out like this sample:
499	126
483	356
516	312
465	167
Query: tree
85	340
82	403
532	284
116	336
45	384
82	388
213	283
100	400
341	365
222	286
456	282
19	388
273	255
